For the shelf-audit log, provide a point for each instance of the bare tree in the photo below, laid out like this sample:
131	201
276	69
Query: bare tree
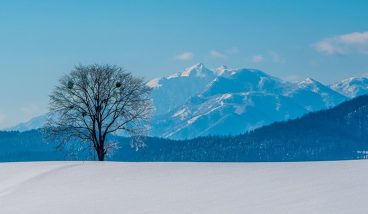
97	100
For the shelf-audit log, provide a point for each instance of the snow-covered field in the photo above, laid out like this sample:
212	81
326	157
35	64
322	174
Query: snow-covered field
92	187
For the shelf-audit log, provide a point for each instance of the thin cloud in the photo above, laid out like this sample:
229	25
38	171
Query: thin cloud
217	54
185	56
257	58
345	44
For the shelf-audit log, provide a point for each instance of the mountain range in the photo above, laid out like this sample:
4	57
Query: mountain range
334	134
338	133
203	102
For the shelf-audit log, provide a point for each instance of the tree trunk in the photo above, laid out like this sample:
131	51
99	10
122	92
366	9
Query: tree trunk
101	153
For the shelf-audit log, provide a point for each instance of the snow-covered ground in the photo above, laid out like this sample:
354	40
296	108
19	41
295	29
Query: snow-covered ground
92	187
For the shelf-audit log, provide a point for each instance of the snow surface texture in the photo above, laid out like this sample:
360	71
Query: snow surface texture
91	187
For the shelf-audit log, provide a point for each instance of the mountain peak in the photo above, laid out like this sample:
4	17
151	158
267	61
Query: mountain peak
309	82
198	70
312	84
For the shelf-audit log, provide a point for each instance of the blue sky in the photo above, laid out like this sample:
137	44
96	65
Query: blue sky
42	40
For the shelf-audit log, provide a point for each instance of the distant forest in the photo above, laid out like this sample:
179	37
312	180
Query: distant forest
340	133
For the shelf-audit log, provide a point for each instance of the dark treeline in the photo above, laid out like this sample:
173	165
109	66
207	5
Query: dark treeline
26	146
339	133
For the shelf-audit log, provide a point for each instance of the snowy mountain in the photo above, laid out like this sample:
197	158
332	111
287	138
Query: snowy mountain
34	123
239	100
352	87
227	114
172	91
244	80
313	95
200	101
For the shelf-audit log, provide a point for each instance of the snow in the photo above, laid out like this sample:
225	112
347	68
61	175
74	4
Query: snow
198	69
352	87
174	90
226	96
154	83
221	70
312	84
34	123
91	187
192	120
181	113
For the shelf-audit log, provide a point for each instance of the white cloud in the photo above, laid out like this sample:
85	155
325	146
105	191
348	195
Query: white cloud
217	54
185	56
257	58
355	38
356	42
328	47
